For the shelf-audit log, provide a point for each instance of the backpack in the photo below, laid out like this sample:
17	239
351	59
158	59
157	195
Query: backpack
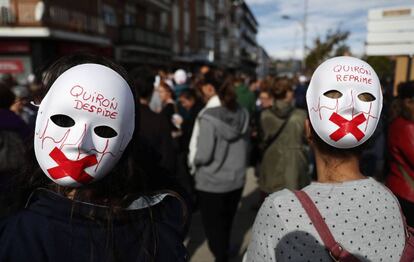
336	251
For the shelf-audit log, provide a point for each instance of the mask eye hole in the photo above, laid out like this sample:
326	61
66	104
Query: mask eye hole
366	97
62	120
334	94
105	131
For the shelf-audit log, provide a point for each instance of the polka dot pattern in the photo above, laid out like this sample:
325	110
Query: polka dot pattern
362	215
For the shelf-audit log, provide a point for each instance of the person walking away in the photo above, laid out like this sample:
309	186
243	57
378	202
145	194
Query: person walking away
245	97
361	215
192	106
401	148
211	99
154	129
220	161
284	163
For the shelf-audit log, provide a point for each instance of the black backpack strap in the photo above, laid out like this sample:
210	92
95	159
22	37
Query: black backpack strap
272	139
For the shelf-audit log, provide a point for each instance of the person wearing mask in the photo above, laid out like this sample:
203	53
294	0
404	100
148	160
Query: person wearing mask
84	195
400	178
359	214
220	162
284	163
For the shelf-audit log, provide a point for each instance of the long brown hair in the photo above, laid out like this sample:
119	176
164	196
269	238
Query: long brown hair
227	94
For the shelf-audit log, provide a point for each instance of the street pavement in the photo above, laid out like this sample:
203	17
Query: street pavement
246	213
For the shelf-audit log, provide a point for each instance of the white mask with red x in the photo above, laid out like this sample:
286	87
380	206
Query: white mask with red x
84	124
344	101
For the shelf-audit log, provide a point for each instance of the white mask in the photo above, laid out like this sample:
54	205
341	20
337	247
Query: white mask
96	123
344	101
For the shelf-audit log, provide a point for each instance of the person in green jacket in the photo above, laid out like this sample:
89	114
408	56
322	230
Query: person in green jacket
285	162
245	97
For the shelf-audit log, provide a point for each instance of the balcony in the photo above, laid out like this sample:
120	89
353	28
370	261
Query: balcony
205	23
140	36
36	14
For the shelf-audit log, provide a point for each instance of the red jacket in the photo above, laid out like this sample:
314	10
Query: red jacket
401	149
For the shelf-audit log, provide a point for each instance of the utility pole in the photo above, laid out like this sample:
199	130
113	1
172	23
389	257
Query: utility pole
304	24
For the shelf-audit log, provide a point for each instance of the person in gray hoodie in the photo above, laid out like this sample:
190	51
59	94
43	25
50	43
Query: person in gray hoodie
220	161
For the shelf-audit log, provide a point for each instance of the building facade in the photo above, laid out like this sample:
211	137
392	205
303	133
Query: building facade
145	34
33	33
243	43
159	33
391	33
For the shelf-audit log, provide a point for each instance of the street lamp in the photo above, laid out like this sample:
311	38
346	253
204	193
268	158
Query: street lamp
302	23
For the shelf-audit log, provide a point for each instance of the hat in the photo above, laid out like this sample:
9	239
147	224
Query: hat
180	77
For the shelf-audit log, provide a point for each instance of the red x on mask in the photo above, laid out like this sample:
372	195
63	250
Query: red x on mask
347	126
72	168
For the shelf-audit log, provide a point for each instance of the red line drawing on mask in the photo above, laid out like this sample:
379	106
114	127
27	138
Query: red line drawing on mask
63	144
319	108
368	114
43	137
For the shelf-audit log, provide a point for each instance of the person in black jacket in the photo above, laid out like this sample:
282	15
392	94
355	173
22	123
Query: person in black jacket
91	198
154	127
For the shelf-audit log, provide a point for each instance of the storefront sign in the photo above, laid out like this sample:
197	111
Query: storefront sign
11	66
14	47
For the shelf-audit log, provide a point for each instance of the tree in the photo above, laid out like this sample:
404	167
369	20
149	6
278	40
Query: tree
383	66
332	45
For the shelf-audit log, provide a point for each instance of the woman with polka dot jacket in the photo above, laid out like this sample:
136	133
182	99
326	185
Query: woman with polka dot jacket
344	104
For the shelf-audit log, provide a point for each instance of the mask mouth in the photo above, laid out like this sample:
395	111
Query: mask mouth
346	127
74	169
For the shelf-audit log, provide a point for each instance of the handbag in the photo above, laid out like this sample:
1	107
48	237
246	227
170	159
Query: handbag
335	249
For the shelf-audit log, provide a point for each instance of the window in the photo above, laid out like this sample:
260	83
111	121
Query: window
149	20
176	17
163	21
130	15
109	15
186	22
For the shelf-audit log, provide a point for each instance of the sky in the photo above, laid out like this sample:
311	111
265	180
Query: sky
283	38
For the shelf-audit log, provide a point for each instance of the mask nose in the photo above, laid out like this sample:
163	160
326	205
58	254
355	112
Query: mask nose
86	141
348	109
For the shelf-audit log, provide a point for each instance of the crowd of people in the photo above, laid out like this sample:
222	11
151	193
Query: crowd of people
101	164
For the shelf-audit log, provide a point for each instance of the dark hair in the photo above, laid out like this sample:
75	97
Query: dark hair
168	89
209	78
143	81
280	88
189	94
340	153
406	90
227	94
7	97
